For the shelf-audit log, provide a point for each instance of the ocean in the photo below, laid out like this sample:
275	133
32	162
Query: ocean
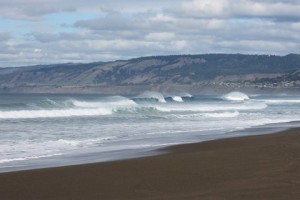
47	130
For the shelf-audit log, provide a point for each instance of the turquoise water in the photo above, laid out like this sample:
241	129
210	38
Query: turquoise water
53	130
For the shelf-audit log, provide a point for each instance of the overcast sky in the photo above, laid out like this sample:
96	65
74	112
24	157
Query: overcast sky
55	31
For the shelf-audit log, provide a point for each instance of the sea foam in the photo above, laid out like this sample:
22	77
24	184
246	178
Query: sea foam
177	98
236	96
29	114
74	108
152	95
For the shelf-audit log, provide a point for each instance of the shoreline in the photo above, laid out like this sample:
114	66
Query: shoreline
248	167
122	155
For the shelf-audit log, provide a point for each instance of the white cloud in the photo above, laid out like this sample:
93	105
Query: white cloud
108	30
31	12
206	8
240	8
163	18
4	36
162	36
37	50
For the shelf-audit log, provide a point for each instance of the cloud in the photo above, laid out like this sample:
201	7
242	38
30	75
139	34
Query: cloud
242	9
111	22
4	36
107	30
161	36
31	12
206	8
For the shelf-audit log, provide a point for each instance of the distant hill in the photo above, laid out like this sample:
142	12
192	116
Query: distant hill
158	72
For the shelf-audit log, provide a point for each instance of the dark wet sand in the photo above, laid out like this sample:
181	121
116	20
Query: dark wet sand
255	167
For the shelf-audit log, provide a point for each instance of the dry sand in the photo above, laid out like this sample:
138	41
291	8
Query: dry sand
255	167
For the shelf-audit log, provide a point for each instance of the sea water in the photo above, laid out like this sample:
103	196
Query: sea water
43	130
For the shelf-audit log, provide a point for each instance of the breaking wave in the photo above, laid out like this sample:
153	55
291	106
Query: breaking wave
236	96
151	96
186	95
29	114
120	102
222	114
174	99
50	103
121	105
69	108
281	101
177	98
211	107
200	116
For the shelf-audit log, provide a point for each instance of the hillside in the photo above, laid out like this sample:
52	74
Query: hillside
209	69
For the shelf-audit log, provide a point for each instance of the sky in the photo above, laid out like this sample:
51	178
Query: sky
54	31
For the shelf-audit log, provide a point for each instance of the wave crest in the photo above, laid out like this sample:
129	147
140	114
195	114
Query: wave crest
75	108
177	98
222	114
152	95
236	96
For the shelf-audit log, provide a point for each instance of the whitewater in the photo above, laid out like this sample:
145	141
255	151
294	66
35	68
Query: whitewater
38	131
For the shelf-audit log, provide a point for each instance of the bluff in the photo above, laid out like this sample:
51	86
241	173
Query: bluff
175	72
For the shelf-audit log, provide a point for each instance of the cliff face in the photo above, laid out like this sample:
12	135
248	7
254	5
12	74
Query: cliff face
159	70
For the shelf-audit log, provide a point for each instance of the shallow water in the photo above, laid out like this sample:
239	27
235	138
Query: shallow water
53	130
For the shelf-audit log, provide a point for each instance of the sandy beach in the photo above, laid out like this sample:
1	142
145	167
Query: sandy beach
252	167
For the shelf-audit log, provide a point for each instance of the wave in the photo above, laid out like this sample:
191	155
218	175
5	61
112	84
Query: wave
236	96
30	114
121	102
122	105
222	115
210	107
28	151
174	99
281	101
185	95
50	103
198	116
70	108
7	160
177	98
158	97
137	110
152	95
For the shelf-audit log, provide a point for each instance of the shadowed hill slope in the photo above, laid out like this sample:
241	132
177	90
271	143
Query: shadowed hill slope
177	69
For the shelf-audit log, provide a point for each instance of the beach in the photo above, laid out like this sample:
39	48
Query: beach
250	167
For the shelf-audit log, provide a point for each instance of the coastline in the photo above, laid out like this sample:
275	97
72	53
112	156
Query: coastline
248	167
128	154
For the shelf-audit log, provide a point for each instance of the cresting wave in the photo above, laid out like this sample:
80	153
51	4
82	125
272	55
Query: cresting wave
152	95
129	109
236	96
177	98
29	114
159	97
281	101
89	126
122	105
73	108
